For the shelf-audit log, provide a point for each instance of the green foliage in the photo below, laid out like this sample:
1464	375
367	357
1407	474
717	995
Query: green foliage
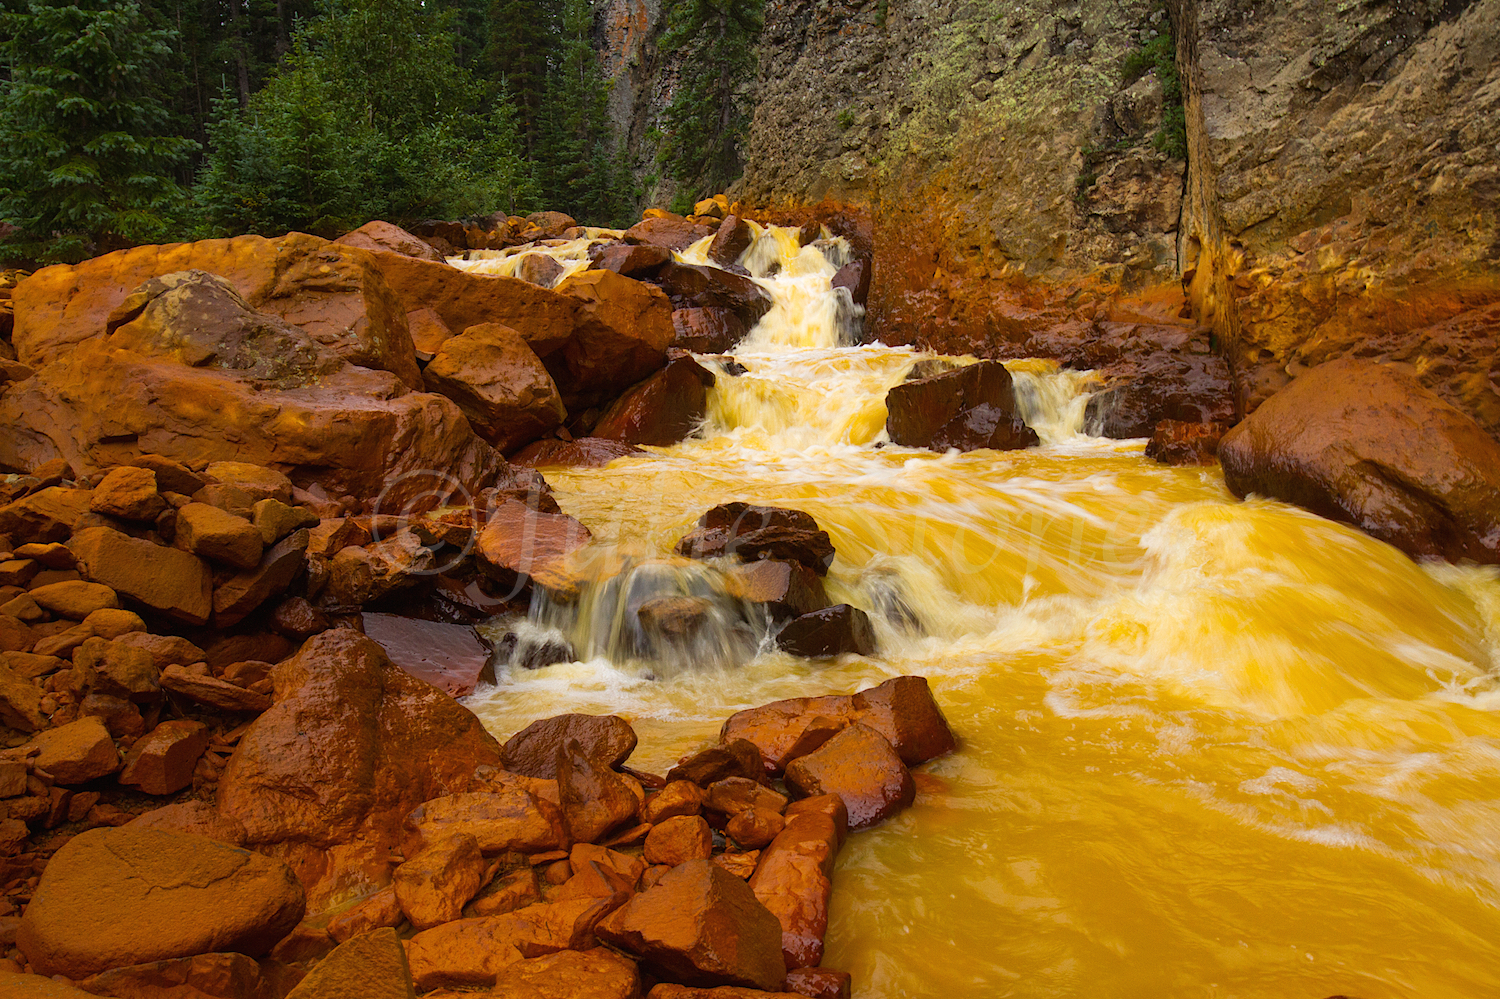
715	44
881	9
86	155
845	119
1159	55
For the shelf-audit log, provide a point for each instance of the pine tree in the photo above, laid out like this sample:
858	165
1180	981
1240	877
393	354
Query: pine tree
86	155
520	42
714	42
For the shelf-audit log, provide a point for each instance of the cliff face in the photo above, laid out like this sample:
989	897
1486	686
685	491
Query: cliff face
1339	195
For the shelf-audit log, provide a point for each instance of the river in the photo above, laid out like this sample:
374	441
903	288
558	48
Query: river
1209	748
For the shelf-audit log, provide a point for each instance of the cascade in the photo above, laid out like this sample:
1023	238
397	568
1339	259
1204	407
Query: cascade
1224	745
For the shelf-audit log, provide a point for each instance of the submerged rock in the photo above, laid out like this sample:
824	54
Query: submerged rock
969	408
1366	444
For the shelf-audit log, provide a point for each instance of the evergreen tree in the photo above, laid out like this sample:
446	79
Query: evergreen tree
520	42
583	173
714	41
86	155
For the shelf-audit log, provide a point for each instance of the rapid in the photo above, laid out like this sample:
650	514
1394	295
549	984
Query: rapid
1208	748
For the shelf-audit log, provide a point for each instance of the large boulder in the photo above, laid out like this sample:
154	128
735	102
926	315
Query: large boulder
499	383
607	740
449	656
663	409
711	330
1366	444
520	545
1161	385
794	878
116	897
759	532
623	330
165	580
582	452
333	293
632	260
712	287
968	408
383	237
673	233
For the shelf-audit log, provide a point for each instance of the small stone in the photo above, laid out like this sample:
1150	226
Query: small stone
515	890
594	799
212	692
433	886
755	828
24	608
862	768
591	974
113	622
741	865
162	761
733	795
128	493
736	758
19	571
166	580
831	631
678	840
679	797
608	740
275	519
221	537
78	752
380	910
75	600
165	650
257	480
51	556
509	819
20	703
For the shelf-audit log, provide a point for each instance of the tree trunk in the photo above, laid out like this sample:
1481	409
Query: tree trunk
241	58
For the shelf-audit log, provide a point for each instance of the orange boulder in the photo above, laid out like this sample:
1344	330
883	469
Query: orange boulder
433	886
383	237
862	768
677	840
608	740
794	878
499	383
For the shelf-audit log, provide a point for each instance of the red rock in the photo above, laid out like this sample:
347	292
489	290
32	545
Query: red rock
1366	444
736	758
607	740
662	410
677	840
1175	442
128	493
162	761
711	287
45	516
15	636
755	827
622	332
730	241
640	261
700	925
499	383
448	656
116	897
231	976
378	911
593	880
211	533
788	589
165	580
507	819
679	797
969	408
77	752
832	631
351	746
818	983
595	800
171	476
669	233
901	709
712	330
475	951
584	452
433	886
515	890
359	576
590	974
20	703
519	544
428	331
628	867
371	966
855	276
759	532
213	692
666	990
538	269
794	879
1162	385
550	225
733	795
862	768
383	237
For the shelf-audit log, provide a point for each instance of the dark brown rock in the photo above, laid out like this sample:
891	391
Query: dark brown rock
538	269
162	761
641	261
621	333
607	740
1366	444
970	408
732	239
759	532
855	276
662	410
794	878
669	233
383	237
704	287
712	330
448	656
702	926
1174	442
902	709
818	983
236	597
584	452
787	589
736	758
595	800
832	631
862	768
499	383
755	827
1192	388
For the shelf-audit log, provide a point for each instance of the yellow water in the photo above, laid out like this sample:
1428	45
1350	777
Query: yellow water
1208	748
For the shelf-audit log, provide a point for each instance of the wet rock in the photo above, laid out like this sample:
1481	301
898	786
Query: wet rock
662	410
512	650
1192	388
622	332
352	745
674	619
162	761
607	740
677	840
116	897
592	974
755	827
499	383
475	951
730	241
1366	444
376	912
433	886
855	276
508	819
584	452
519	544
211	533
627	867
832	631
448	656
363	575
759	532
236	597
862	768
794	879
77	752
168	581
733	795
678	798
550	225
711	287
787	589
700	925
818	983
712	330
669	233
667	990
383	237
128	493
641	261
539	269
902	709
736	758
594	798
45	516
74	599
971	408
1175	442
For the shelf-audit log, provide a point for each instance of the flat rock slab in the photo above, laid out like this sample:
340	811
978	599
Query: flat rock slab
372	966
116	897
449	656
